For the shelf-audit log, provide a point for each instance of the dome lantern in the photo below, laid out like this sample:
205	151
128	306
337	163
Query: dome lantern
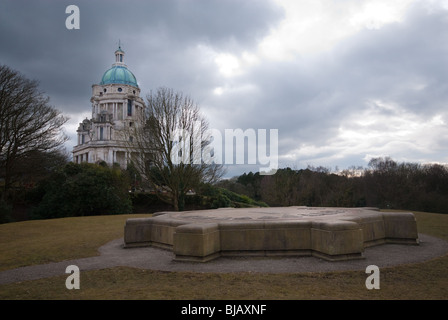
119	56
119	73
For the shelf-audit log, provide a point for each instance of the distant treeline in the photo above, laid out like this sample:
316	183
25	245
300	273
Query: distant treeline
93	189
384	184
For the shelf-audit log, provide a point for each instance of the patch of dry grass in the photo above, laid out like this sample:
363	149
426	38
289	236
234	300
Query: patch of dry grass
42	241
420	281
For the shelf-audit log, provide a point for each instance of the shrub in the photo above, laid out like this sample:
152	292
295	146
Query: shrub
84	189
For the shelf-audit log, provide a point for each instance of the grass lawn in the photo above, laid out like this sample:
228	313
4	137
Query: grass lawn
37	242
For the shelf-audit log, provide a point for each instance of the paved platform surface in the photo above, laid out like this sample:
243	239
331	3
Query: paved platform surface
112	255
293	213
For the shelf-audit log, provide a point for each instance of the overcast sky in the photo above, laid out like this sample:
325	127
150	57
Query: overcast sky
342	81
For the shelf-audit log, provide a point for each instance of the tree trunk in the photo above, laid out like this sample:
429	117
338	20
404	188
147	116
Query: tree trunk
175	201
181	201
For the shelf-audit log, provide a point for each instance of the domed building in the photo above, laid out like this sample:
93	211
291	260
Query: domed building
116	107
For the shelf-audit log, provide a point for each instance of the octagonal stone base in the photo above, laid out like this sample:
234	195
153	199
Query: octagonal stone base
329	233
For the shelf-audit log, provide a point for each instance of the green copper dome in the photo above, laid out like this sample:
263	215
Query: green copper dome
119	74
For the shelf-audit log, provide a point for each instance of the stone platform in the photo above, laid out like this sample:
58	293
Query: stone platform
329	233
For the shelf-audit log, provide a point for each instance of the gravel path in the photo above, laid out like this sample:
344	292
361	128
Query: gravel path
112	254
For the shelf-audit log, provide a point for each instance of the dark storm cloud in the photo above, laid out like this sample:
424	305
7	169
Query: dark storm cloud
156	34
37	43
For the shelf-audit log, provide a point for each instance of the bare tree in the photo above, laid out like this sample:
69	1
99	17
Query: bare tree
28	124
167	149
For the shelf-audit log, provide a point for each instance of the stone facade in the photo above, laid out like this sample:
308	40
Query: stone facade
116	106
